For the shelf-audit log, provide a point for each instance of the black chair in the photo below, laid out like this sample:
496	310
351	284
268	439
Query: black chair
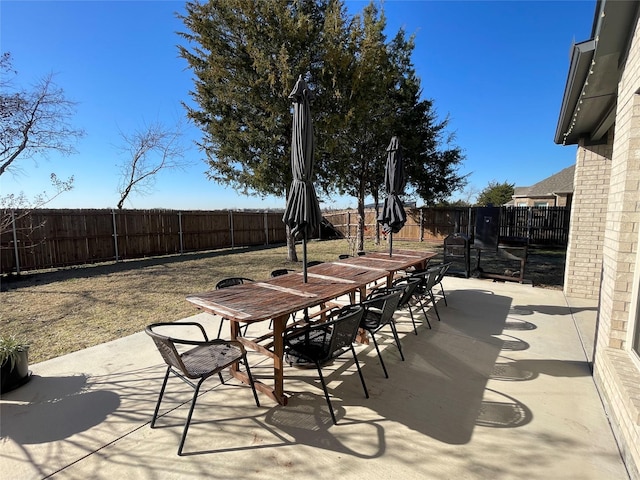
344	256
320	343
205	358
424	292
409	285
230	282
313	263
380	306
278	273
443	269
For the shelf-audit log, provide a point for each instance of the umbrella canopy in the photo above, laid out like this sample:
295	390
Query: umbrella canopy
393	217
302	213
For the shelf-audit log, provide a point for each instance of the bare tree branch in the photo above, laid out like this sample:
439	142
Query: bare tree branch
33	122
146	152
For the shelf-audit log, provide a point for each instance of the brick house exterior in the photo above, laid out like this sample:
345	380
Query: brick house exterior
601	115
553	191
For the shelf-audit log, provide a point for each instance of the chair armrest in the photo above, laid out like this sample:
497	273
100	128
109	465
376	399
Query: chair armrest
180	324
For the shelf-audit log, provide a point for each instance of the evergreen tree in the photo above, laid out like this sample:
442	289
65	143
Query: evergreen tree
496	194
246	56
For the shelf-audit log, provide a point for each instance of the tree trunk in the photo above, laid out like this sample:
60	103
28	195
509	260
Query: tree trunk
376	201
292	256
360	232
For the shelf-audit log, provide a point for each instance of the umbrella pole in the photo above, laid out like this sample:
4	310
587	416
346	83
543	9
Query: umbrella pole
390	243
304	258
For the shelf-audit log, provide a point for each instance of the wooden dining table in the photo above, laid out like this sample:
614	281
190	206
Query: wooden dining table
277	298
399	260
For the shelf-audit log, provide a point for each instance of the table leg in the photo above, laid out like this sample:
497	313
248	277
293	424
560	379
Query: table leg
276	392
279	325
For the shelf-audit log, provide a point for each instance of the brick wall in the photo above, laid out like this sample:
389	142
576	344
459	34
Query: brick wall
588	215
616	368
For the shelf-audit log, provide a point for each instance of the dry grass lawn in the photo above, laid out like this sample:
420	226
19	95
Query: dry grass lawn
65	310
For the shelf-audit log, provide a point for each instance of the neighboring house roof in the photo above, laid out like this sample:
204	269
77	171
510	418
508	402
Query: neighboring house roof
589	100
561	182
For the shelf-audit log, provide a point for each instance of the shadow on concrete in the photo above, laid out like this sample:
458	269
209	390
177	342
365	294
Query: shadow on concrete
440	389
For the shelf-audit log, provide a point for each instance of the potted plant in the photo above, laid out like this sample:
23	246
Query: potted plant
14	363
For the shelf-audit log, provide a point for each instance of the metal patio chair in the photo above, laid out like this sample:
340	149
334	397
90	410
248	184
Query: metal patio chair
380	305
321	342
410	285
443	269
230	282
193	366
424	292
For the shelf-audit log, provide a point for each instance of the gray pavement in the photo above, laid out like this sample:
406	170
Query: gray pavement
500	389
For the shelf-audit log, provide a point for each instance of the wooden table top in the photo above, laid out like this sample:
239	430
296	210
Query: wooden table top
286	294
400	260
283	295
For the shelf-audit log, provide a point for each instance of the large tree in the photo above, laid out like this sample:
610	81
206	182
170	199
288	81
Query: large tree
246	56
496	194
380	96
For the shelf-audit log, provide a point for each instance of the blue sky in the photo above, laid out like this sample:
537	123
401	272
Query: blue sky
497	69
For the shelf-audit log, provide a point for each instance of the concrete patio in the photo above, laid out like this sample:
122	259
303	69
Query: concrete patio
500	389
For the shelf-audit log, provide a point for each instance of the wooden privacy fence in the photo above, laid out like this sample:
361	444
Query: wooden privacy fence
54	238
541	225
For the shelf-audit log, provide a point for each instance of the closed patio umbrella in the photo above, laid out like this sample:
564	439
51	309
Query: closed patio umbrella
302	213
393	217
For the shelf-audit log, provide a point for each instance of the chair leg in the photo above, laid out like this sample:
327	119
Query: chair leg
253	385
375	343
164	385
415	329
326	393
188	422
424	311
364	385
395	335
433	302
443	295
220	327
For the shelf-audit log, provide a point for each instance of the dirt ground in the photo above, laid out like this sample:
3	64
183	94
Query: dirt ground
65	310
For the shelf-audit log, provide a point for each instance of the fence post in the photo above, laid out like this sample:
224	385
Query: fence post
115	234
180	232
15	240
529	220
266	227
231	227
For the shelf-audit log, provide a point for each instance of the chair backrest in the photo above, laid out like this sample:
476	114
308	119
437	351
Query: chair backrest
323	341
313	262
430	277
386	301
343	256
443	271
280	271
166	347
344	329
409	286
231	281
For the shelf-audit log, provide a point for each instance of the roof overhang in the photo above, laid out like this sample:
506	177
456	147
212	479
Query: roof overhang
590	95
